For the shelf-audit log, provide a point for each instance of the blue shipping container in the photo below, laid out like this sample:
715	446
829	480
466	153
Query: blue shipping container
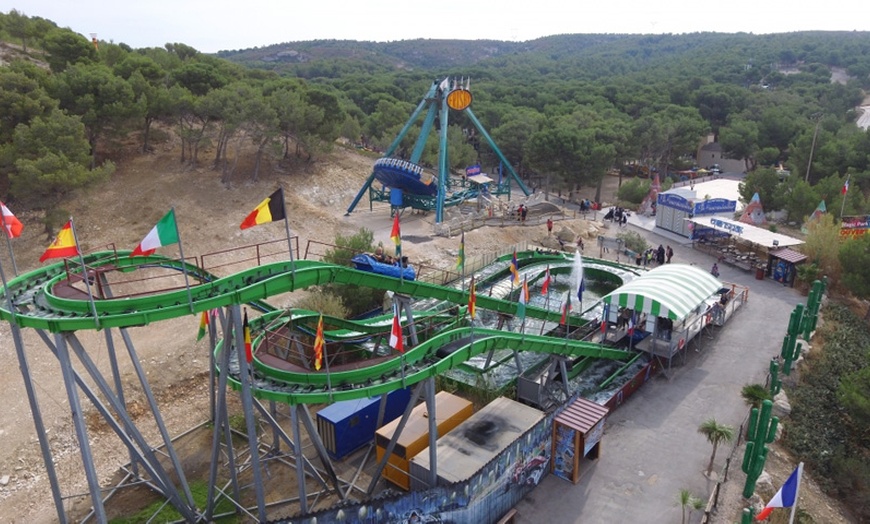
346	426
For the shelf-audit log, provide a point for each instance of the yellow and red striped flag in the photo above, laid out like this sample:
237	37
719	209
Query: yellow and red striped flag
64	245
318	345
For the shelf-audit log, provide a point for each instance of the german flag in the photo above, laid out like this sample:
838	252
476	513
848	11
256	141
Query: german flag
64	245
269	210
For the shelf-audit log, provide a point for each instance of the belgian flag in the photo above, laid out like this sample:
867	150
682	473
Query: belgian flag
269	210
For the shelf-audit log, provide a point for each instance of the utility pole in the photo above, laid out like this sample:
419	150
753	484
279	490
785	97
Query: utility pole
818	118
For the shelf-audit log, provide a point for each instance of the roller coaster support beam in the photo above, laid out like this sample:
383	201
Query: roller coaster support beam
80	427
321	451
526	191
300	466
221	426
130	434
248	409
433	431
392	444
392	149
113	362
443	163
403	303
41	435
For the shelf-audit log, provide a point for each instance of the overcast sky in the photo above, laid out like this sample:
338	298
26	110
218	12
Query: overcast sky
215	25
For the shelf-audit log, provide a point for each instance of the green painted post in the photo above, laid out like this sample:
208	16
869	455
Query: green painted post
775	382
748	515
789	351
813	307
806	321
762	431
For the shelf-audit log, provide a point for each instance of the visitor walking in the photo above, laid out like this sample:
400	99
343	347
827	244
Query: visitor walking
669	253
550	226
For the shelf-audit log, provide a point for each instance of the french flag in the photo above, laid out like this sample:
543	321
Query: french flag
787	495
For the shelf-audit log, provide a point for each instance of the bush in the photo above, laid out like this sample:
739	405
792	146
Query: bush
355	299
633	191
633	241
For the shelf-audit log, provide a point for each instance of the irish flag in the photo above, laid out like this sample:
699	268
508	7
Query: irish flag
163	234
787	495
12	225
269	210
396	341
64	244
524	299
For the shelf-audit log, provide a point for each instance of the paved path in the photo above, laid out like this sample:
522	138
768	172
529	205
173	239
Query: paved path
651	448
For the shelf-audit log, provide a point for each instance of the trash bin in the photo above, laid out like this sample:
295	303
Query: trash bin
759	273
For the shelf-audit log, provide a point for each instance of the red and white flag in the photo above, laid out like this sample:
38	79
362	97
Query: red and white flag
787	495
396	341
545	287
846	185
13	226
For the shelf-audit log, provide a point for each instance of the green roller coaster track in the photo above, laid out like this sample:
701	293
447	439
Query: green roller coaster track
36	306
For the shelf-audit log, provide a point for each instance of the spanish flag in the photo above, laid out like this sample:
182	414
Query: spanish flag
249	350
318	345
269	210
64	244
472	299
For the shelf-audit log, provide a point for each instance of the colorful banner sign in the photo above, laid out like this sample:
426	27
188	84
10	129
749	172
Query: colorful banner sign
854	226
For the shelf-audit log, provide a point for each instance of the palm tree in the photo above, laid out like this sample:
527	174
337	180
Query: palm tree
715	434
755	394
686	501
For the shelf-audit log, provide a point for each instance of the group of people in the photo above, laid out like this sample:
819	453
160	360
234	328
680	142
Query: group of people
617	214
660	255
587	205
522	211
384	258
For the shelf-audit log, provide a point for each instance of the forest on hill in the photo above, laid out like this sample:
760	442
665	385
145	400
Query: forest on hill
566	109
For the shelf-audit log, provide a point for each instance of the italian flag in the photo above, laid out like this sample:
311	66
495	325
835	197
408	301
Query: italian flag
163	234
524	299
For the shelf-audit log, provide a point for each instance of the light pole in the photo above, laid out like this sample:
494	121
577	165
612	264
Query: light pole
818	118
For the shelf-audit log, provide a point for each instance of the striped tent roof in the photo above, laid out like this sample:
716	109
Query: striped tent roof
671	290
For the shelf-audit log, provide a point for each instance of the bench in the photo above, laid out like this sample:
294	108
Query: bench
508	517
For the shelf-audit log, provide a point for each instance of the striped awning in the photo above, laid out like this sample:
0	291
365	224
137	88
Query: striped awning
671	290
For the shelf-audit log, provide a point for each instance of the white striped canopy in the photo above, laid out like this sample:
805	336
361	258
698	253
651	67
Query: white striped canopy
670	290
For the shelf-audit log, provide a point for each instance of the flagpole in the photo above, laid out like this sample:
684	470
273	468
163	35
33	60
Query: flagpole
183	263
547	280
9	244
84	272
289	243
845	195
797	493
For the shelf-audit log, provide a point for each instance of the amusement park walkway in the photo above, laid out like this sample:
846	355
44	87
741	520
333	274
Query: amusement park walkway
651	448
